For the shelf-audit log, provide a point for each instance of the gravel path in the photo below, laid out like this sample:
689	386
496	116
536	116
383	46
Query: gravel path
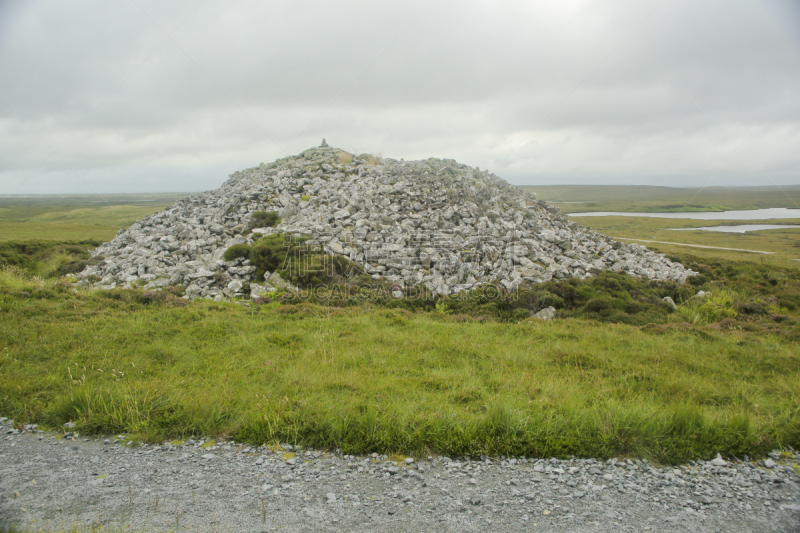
55	480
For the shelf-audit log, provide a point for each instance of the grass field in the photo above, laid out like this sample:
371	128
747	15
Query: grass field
364	379
784	244
619	373
75	218
643	199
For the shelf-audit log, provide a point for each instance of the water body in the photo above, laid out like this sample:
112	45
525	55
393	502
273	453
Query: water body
741	228
752	214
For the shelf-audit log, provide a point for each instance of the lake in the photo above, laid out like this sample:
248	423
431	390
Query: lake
751	214
741	228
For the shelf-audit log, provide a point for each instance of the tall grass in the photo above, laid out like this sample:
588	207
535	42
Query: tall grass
709	308
375	379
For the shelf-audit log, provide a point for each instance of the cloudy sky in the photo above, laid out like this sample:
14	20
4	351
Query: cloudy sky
155	95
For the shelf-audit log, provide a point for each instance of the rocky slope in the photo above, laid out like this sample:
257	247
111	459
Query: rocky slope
433	222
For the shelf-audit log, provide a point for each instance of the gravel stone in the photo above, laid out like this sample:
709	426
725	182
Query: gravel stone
61	482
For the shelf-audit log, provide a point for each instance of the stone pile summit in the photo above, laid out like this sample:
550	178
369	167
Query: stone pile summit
433	222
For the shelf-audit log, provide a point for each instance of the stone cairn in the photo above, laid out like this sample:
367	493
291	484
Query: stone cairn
433	222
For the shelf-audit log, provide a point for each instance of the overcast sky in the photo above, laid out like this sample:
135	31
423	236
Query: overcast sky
155	95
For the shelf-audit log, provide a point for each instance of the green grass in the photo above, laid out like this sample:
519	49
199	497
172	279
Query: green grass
48	258
375	379
619	373
75	217
643	199
783	243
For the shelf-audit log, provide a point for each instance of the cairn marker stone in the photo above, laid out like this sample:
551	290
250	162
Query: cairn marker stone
434	222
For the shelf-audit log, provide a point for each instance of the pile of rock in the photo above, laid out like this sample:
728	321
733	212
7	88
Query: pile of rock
433	222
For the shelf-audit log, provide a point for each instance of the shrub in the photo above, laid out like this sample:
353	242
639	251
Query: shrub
49	259
750	308
599	305
370	159
264	219
299	263
717	306
238	250
268	254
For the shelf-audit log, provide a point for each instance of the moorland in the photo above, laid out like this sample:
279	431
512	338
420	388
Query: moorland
618	372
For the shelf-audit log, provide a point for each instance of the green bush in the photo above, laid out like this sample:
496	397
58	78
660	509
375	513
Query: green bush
49	259
712	308
238	250
299	263
264	219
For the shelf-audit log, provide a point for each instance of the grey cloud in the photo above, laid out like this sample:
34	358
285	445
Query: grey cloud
482	82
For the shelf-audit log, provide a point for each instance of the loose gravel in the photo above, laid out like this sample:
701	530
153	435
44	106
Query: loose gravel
50	480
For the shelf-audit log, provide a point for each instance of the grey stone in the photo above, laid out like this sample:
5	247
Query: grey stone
158	283
702	497
718	461
434	222
546	314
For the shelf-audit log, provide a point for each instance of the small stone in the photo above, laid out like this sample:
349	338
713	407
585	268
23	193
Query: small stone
69	425
718	460
546	512
769	463
207	456
330	497
409	460
546	314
